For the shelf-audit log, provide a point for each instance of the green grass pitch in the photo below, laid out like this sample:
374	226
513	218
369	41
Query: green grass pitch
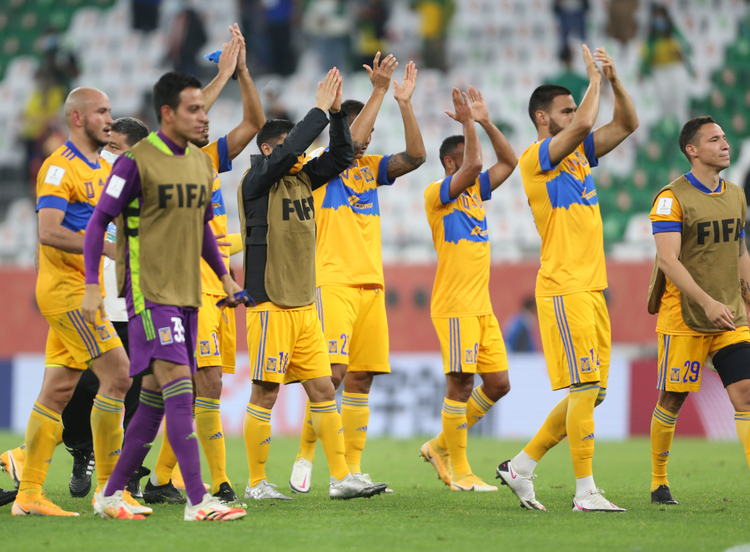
710	479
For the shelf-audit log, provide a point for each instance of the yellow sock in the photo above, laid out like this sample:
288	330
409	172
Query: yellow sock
106	428
551	433
580	426
211	435
742	421
41	441
327	424
662	432
257	433
308	439
476	408
454	429
355	415
166	461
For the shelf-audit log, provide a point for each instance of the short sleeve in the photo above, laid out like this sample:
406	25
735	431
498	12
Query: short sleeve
590	150
485	188
225	164
666	213
54	187
382	178
433	201
445	189
544	162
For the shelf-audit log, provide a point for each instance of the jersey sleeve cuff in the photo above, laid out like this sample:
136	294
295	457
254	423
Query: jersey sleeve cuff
544	162
445	188
383	172
52	202
590	150
225	164
660	226
485	188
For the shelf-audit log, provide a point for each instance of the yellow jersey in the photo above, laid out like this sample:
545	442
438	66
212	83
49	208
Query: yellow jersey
567	216
69	182
459	231
666	216
219	154
348	250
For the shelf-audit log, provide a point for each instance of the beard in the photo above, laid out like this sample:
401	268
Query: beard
202	143
92	135
554	128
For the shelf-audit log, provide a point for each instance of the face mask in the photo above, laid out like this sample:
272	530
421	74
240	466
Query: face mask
660	24
109	157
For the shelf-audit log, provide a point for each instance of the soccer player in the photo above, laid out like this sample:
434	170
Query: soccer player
160	191
284	335
217	332
349	266
470	337
573	317
124	132
700	279
69	185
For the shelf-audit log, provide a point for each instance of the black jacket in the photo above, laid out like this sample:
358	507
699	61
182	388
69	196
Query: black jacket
265	171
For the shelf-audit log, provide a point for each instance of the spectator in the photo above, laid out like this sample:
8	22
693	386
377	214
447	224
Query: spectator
57	62
145	15
571	15
519	330
621	24
42	113
575	82
666	59
279	16
435	17
186	39
328	24
372	17
274	107
252	14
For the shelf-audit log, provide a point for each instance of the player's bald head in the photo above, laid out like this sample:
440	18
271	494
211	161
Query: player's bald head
84	99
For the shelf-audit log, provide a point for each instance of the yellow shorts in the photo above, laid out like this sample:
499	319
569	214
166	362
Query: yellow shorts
355	326
576	338
471	344
681	357
73	342
217	335
286	345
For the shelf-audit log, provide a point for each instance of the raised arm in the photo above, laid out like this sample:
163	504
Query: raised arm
668	245
567	140
227	66
415	154
380	77
472	163
506	157
253	117
625	119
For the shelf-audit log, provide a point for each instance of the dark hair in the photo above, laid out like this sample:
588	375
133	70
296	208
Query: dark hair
691	128
543	96
273	129
167	90
133	129
352	108
449	146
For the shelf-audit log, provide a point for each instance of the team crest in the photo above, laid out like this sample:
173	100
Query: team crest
585	365
103	332
271	364
205	348
674	376
165	336
333	347
470	356
367	173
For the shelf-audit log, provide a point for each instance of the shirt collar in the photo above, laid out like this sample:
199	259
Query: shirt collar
697	183
174	148
77	153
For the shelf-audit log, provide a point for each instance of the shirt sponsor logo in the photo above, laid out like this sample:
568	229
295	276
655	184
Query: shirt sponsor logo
165	336
54	175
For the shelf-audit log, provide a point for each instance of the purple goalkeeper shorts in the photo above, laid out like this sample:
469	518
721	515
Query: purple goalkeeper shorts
163	332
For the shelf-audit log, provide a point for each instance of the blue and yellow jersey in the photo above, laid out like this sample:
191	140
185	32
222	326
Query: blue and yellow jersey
666	216
347	213
459	231
219	155
69	182
566	211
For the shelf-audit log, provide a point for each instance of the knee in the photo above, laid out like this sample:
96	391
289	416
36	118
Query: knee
672	402
358	382
497	390
321	390
264	397
459	387
208	383
336	380
119	385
